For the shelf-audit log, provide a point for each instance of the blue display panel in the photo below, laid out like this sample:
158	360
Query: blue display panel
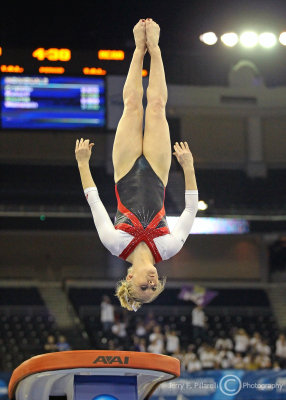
57	102
106	387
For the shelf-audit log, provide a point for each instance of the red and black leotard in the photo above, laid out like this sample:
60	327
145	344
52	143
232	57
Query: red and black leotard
140	207
141	215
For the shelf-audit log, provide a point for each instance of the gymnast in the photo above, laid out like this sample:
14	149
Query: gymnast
140	234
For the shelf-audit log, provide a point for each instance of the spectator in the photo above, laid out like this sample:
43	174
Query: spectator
189	355
264	361
198	322
150	321
172	342
142	344
140	329
51	345
280	350
251	362
136	343
280	345
225	358
263	348
119	329
157	339
62	344
180	356
255	341
276	366
223	343
237	361
193	364
111	345
241	342
106	313
202	348
216	358
208	357
155	346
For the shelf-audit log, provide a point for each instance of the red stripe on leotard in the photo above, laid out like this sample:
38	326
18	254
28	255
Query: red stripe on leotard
140	234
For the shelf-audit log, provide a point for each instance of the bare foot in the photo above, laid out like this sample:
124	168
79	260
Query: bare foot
139	32
152	34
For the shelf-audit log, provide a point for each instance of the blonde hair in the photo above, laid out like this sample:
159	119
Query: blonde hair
126	294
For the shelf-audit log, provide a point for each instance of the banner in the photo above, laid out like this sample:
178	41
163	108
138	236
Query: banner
198	294
4	380
211	385
225	385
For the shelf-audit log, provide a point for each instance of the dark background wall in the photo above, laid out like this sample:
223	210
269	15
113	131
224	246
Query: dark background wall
58	255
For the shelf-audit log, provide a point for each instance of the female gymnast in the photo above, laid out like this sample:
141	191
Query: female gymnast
140	234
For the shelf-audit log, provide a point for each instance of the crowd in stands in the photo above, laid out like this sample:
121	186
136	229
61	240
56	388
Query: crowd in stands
60	344
238	350
198	340
24	335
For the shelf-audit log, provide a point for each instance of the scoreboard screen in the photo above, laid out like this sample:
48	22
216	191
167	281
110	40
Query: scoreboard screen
52	102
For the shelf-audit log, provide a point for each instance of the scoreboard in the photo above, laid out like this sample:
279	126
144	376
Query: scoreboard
64	61
55	88
52	102
59	61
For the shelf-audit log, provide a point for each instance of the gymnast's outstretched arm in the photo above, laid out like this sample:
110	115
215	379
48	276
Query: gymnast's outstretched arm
185	158
82	154
186	220
174	242
106	231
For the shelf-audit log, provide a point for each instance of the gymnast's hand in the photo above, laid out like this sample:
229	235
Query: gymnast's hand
183	155
83	150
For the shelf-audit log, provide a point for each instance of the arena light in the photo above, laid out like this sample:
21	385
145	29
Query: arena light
267	40
249	39
282	38
214	226
209	38
230	39
202	205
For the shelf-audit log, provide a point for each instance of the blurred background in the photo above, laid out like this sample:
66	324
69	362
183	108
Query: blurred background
63	68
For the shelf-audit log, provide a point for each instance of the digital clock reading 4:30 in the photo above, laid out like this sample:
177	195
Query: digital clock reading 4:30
52	54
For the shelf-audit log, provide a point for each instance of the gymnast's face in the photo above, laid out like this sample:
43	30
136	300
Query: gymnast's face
144	279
